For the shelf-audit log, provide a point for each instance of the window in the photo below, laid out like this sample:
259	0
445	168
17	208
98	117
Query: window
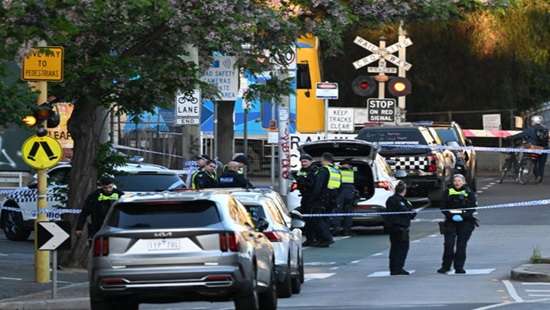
164	215
147	182
303	79
447	135
392	135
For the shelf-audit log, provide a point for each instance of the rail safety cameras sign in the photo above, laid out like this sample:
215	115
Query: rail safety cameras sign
381	110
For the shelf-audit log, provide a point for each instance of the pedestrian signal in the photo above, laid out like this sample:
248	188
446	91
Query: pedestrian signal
399	86
363	85
42	113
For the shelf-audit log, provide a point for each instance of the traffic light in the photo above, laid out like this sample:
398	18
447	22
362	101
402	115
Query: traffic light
42	113
363	85
398	86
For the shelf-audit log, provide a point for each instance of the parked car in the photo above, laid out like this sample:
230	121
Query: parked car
181	246
407	150
452	135
131	178
285	236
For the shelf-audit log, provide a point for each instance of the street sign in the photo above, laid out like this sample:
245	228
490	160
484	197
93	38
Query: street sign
326	91
381	110
188	108
340	120
491	121
43	64
41	152
380	53
225	76
53	236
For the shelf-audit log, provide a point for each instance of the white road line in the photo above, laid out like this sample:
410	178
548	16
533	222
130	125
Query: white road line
341	238
355	261
436	220
538	291
539	295
433	236
13	279
535	283
504	304
479	192
319	263
475	272
485	188
2	254
415	241
382	274
334	268
378	254
512	291
317	276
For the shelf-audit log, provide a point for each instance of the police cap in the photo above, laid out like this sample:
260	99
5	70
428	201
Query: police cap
306	157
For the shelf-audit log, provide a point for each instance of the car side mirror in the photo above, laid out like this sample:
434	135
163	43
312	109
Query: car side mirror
400	173
261	224
296	223
391	162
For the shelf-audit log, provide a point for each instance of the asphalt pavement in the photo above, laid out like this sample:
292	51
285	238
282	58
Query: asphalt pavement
352	274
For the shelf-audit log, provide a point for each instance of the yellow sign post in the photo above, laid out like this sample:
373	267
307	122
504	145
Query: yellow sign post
43	64
40	65
41	152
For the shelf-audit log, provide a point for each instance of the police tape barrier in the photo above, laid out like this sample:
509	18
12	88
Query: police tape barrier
531	203
129	148
437	147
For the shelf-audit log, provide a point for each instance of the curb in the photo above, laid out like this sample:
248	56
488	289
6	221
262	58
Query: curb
58	304
522	273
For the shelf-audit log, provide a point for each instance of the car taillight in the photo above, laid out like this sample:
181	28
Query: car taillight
294	186
384	184
229	242
101	246
432	164
272	236
362	207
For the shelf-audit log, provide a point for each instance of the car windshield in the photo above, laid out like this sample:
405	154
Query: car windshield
256	211
144	182
162	215
447	135
392	135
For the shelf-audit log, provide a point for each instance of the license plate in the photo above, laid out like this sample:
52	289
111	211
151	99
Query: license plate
164	245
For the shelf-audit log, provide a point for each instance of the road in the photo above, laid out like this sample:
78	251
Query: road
352	274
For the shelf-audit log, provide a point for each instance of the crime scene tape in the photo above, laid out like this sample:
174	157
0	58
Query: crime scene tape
465	148
531	203
128	148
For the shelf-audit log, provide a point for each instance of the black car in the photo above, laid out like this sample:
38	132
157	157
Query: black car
408	151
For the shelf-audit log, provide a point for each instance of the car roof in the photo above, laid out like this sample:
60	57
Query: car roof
132	168
173	196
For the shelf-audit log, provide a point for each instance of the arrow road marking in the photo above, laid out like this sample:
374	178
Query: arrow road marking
58	236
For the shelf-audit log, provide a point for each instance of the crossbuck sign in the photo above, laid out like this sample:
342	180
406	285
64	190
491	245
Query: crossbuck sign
382	54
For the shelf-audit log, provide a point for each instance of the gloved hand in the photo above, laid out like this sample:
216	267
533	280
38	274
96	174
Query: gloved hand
457	218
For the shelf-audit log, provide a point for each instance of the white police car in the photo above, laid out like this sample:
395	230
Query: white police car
18	207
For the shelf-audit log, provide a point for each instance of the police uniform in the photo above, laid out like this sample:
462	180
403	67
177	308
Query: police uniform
204	179
305	179
232	178
398	229
458	227
346	198
325	189
97	205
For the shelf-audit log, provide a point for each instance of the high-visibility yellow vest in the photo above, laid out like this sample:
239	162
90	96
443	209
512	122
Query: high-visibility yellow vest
102	197
335	178
348	176
454	192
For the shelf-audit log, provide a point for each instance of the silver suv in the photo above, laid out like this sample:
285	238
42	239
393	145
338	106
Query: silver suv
186	246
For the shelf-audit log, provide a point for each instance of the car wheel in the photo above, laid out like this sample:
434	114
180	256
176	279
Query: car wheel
249	301
12	223
268	298
284	289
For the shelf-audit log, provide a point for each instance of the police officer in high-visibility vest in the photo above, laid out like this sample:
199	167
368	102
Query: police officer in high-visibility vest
305	179
97	205
346	196
324	195
201	161
206	177
459	224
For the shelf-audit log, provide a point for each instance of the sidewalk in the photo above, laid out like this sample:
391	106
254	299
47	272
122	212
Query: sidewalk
71	297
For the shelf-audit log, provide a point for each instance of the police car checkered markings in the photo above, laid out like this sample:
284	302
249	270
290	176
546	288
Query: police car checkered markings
466	148
409	162
382	274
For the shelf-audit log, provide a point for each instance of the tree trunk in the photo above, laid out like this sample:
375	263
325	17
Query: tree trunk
85	127
226	133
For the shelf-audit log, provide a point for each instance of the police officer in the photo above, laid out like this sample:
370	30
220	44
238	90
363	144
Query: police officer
305	179
97	205
537	135
201	161
398	228
324	195
206	177
459	224
346	196
232	178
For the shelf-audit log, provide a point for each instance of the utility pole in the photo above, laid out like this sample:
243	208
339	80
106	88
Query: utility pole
402	101
381	78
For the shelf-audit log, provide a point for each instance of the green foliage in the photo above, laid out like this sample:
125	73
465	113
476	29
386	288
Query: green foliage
536	256
16	99
108	159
